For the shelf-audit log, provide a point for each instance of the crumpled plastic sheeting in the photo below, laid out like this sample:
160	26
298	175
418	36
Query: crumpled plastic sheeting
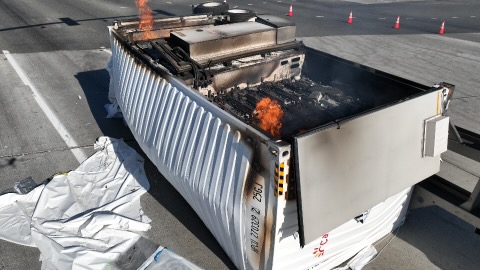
362	258
84	219
163	258
113	110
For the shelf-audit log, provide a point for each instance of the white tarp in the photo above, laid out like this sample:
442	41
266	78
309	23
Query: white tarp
164	258
362	258
84	219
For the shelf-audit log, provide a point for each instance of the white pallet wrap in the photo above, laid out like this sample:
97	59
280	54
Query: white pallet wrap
227	171
84	219
340	244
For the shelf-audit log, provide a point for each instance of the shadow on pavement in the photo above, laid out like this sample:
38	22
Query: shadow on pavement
95	85
447	241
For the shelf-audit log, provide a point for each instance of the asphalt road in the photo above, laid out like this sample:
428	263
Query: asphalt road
58	45
39	26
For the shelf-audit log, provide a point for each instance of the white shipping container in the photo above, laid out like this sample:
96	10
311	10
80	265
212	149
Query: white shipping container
237	178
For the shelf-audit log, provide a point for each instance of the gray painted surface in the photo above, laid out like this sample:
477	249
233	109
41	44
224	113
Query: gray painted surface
430	239
345	171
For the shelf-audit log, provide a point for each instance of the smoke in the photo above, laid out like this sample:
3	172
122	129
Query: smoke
269	115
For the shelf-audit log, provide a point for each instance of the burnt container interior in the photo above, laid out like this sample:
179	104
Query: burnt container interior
363	88
378	87
331	90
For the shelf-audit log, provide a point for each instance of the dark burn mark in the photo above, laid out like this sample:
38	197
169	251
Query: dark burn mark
163	12
254	171
69	21
251	175
11	162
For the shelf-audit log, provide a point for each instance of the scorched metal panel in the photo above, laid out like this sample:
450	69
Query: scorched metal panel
203	152
344	169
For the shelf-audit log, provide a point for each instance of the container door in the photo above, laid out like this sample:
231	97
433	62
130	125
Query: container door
343	170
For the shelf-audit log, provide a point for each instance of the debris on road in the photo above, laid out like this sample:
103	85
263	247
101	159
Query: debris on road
85	218
113	111
164	258
24	186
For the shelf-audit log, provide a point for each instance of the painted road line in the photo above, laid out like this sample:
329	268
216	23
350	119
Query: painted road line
409	18
249	4
66	136
454	17
434	18
473	16
382	18
320	16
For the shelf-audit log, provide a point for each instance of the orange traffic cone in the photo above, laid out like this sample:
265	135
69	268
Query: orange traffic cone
350	18
290	12
397	24
442	28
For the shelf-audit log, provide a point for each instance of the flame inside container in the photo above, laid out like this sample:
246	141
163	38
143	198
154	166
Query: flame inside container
269	115
146	18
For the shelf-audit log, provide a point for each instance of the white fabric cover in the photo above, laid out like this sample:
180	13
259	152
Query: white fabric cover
84	219
163	258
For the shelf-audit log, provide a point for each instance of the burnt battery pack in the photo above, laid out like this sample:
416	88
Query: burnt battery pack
221	40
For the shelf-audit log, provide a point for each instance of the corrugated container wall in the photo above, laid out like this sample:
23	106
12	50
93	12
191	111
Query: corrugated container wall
205	154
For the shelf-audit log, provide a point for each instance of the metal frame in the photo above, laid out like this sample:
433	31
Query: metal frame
455	200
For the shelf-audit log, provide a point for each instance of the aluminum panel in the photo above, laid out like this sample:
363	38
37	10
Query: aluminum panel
213	41
346	169
436	136
202	151
285	28
184	140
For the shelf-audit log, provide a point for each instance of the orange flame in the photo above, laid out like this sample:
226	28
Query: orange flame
269	115
146	19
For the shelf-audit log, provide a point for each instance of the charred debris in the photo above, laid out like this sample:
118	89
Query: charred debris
237	65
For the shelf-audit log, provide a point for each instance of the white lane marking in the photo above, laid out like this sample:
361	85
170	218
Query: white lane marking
409	18
454	17
107	51
473	16
382	18
434	18
249	4
319	16
66	136
169	3
123	7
